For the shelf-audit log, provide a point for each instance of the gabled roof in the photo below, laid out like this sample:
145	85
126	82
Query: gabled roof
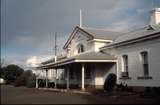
101	33
93	34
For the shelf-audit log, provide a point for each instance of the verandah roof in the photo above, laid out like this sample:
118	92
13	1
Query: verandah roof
83	58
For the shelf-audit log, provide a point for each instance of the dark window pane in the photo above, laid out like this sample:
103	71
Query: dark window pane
125	61
144	56
146	72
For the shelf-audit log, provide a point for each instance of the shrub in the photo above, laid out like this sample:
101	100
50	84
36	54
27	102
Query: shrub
51	84
41	82
23	79
110	82
20	81
31	82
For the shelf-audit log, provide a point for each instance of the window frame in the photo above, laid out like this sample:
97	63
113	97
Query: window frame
145	63
125	65
80	48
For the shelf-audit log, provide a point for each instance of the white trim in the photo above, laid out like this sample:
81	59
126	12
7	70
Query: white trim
117	71
132	41
122	63
64	63
76	29
46	78
37	82
72	61
102	40
83	88
95	60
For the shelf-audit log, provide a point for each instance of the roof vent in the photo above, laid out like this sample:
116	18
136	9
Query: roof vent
150	28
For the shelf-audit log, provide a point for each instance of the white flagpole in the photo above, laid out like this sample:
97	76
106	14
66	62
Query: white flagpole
80	18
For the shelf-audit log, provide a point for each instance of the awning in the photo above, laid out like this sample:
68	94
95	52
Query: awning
82	58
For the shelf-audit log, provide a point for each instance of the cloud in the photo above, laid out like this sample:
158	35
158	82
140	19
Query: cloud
20	61
35	61
28	26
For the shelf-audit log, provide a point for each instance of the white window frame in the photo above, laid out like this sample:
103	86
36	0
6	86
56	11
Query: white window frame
124	66
143	63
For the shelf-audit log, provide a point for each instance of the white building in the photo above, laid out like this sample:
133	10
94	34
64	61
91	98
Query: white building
84	65
93	54
137	53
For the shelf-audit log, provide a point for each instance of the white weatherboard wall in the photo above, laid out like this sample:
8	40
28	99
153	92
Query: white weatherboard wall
102	71
81	38
98	45
135	64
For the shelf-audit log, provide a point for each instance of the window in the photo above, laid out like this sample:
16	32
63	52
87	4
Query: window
125	66
80	48
62	75
144	56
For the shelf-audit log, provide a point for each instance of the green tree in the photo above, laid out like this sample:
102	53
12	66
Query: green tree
2	68
12	72
26	79
2	72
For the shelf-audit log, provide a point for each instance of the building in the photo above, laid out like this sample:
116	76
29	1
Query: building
137	53
84	65
93	54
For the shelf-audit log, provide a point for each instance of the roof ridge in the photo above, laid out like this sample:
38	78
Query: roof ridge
102	29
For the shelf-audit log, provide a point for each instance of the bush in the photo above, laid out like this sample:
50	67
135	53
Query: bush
41	83
20	81
51	84
31	82
24	79
110	82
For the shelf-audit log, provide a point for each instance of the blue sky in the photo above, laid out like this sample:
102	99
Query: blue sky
28	26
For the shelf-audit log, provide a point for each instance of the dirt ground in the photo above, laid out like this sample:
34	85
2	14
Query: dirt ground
23	95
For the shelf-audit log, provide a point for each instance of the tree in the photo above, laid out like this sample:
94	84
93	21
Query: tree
12	72
2	72
26	79
2	68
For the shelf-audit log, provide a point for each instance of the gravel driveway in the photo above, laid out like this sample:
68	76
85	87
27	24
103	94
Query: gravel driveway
23	95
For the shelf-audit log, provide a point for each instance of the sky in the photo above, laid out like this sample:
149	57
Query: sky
28	26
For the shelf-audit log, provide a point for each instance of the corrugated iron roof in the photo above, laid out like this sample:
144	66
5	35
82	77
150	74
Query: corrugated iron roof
102	33
136	34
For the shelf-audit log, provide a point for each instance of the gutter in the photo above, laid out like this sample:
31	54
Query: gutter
131	41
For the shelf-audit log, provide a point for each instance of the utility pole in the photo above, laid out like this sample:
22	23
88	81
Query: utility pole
55	52
55	46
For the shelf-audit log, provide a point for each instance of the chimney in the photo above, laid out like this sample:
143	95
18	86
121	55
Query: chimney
155	19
